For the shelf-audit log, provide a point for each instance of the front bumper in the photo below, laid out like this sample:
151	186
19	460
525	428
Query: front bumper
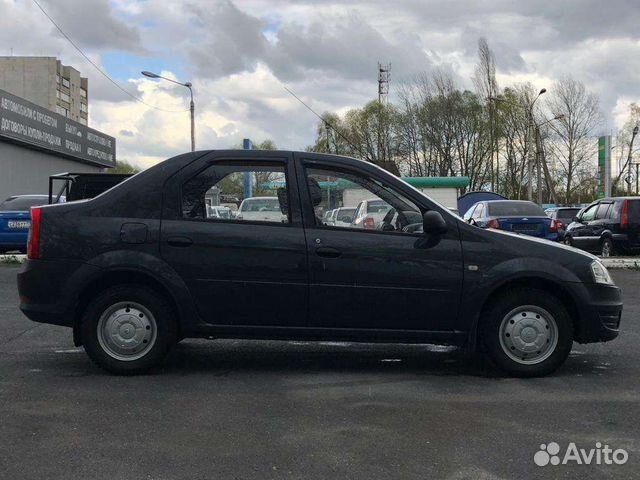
600	311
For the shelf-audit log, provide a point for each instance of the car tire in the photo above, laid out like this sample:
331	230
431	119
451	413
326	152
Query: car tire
128	329
567	241
526	332
606	248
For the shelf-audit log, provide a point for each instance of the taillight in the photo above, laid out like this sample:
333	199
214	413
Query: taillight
624	214
493	223
555	225
33	240
368	223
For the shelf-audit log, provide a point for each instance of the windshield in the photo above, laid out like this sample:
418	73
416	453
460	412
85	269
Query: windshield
345	213
514	209
22	204
377	206
568	213
261	205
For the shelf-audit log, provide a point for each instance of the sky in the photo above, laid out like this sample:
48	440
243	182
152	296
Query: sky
240	54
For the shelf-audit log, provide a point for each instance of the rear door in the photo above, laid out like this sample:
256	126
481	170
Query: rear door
240	272
384	278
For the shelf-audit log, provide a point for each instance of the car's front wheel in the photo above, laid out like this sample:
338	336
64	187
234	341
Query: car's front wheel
606	248
128	329
567	240
526	332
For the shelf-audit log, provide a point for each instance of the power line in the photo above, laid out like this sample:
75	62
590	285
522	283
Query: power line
106	75
328	124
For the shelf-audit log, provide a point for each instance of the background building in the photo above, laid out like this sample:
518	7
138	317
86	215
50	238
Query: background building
47	83
36	143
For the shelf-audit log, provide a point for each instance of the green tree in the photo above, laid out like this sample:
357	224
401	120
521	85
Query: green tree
122	166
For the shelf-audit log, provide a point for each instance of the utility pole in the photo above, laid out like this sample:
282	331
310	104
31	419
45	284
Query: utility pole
384	75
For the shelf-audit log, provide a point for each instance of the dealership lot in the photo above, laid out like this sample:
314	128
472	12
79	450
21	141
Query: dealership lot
242	409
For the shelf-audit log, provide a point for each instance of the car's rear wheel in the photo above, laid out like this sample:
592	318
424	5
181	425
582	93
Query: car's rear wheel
606	248
527	332
128	329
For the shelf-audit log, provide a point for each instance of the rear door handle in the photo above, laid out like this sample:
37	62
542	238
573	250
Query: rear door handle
328	252
179	241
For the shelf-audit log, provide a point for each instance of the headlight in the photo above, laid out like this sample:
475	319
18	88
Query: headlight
600	273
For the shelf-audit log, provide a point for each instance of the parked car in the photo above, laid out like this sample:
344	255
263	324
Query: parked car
260	209
138	268
608	226
343	216
563	216
219	211
328	216
15	220
518	216
369	214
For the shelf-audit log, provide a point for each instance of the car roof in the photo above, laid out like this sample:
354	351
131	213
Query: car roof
260	198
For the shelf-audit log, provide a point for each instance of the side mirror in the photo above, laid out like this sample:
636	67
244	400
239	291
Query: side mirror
433	223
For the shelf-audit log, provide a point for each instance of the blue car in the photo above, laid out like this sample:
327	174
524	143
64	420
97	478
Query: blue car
15	220
516	216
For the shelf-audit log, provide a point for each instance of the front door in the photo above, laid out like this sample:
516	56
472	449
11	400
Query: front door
237	241
378	273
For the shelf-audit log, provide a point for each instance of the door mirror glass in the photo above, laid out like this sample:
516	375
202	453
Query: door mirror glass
433	223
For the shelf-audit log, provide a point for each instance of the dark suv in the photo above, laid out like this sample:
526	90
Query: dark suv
607	227
143	265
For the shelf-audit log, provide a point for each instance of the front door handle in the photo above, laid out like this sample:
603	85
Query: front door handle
179	241
328	252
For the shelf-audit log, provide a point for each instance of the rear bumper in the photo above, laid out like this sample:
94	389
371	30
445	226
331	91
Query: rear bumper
13	239
622	242
48	289
599	311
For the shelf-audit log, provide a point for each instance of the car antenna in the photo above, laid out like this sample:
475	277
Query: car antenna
328	124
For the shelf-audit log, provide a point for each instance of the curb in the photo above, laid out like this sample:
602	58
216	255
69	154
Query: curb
621	262
12	259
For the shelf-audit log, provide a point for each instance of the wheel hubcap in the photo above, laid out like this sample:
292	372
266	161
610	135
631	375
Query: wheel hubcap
528	334
606	251
127	331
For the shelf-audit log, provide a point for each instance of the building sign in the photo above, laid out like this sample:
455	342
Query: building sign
27	123
604	167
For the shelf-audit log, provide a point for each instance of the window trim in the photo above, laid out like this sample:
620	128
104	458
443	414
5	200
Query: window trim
314	165
240	162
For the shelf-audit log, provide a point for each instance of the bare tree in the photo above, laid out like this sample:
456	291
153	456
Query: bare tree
572	144
487	87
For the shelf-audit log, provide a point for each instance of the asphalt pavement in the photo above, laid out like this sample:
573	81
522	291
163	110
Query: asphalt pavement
300	410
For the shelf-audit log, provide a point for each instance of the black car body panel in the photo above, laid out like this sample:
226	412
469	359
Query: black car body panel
296	279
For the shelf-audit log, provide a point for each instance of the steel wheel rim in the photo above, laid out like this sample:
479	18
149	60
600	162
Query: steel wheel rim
127	331
528	334
606	250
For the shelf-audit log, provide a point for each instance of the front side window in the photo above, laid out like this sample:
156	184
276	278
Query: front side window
363	202
589	213
239	192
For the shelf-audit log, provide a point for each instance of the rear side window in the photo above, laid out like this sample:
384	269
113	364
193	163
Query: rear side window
22	204
602	211
258	190
633	211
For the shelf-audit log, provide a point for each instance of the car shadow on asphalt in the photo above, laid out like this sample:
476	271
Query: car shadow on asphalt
221	357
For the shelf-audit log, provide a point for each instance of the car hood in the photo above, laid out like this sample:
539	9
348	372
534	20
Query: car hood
524	241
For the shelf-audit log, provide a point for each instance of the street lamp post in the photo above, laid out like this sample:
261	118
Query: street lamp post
189	85
530	149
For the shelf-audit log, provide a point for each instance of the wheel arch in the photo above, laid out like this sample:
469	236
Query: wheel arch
551	287
121	276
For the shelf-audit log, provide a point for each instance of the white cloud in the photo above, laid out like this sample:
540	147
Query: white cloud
238	54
